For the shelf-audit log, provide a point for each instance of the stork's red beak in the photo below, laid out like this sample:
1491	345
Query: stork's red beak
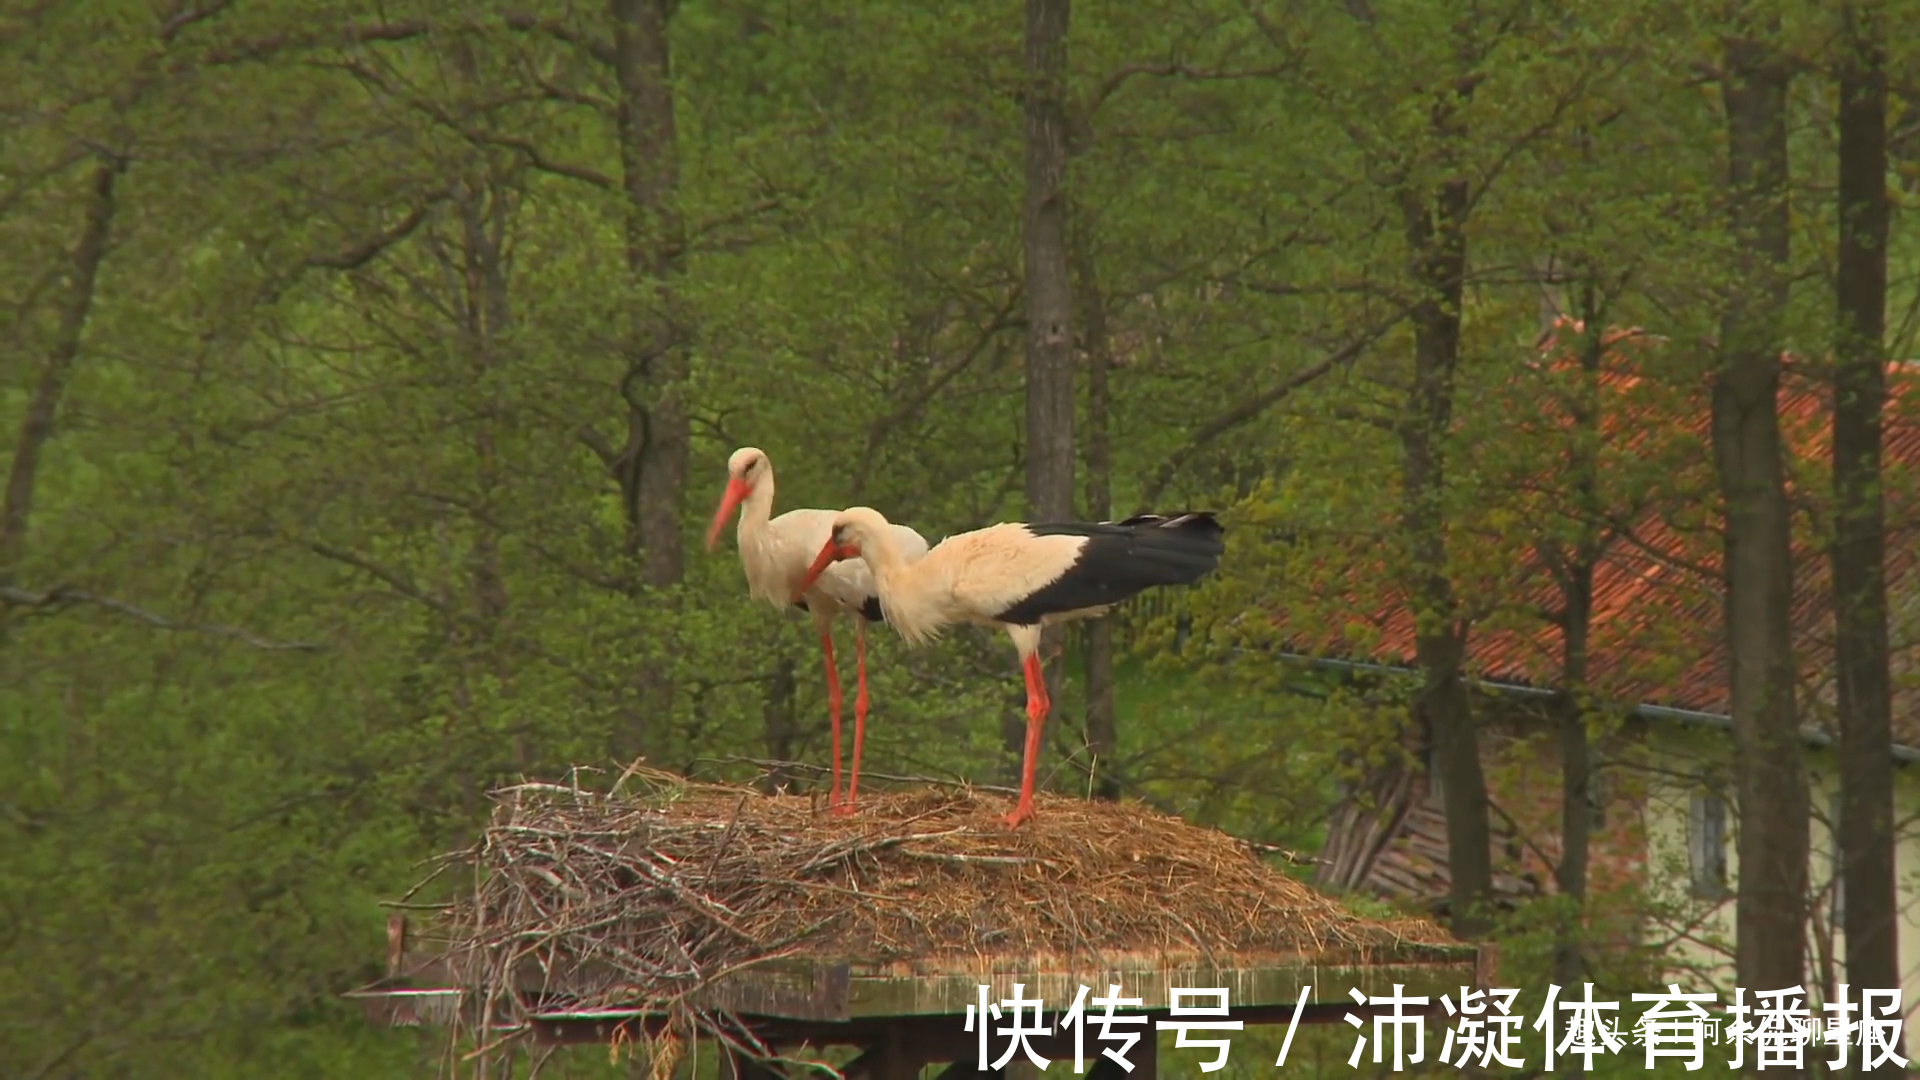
737	490
830	553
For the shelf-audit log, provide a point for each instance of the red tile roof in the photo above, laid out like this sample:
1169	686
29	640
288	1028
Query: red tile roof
1656	635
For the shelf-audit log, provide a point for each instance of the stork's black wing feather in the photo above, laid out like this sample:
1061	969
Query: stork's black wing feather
1122	559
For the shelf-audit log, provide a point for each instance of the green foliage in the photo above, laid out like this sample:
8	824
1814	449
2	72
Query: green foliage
321	548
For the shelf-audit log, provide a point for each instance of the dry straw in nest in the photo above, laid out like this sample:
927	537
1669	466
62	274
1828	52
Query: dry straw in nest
638	898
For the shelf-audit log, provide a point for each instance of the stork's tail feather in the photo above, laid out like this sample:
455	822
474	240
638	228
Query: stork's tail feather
1199	526
1175	549
1190	521
1121	559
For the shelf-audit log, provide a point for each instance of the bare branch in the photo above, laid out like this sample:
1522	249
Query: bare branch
391	578
1003	319
484	517
1624	530
1252	407
189	15
1281	288
1169	70
1512	150
37	426
597	443
525	22
62	596
1382	423
878	431
555	92
706	228
354	34
1274	34
398	582
540	161
353	258
60	1059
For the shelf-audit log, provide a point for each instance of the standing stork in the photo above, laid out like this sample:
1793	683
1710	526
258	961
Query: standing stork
1021	577
775	553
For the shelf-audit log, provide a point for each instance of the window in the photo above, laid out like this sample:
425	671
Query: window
1707	846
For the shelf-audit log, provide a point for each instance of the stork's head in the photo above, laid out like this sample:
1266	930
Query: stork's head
747	469
854	529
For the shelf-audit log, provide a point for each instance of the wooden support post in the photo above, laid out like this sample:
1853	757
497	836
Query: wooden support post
890	1056
1486	965
1142	1056
1145	1056
1022	1069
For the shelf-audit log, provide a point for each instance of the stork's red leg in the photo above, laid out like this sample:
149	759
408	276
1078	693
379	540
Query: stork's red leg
1037	706
859	712
833	704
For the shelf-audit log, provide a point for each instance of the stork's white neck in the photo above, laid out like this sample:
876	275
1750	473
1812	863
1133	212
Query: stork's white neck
901	589
882	554
757	508
764	581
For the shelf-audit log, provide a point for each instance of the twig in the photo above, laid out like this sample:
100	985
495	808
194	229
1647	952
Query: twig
642	896
726	839
63	595
996	860
1247	408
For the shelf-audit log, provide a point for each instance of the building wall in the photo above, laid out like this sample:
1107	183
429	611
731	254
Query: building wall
1650	771
1700	925
1650	775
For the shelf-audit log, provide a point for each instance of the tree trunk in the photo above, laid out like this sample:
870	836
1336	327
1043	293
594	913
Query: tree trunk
652	466
481	203
1049	295
1439	247
1576	796
1772	780
1865	829
1577	769
487	314
1103	739
44	406
1576	623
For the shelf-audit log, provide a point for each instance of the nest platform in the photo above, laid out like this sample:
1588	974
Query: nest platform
765	922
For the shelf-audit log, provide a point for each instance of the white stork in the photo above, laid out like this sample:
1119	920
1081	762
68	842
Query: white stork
1020	577
775	552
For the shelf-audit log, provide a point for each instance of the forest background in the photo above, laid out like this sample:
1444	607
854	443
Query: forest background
368	372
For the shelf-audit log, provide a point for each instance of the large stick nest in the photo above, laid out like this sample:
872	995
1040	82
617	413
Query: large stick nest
639	898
